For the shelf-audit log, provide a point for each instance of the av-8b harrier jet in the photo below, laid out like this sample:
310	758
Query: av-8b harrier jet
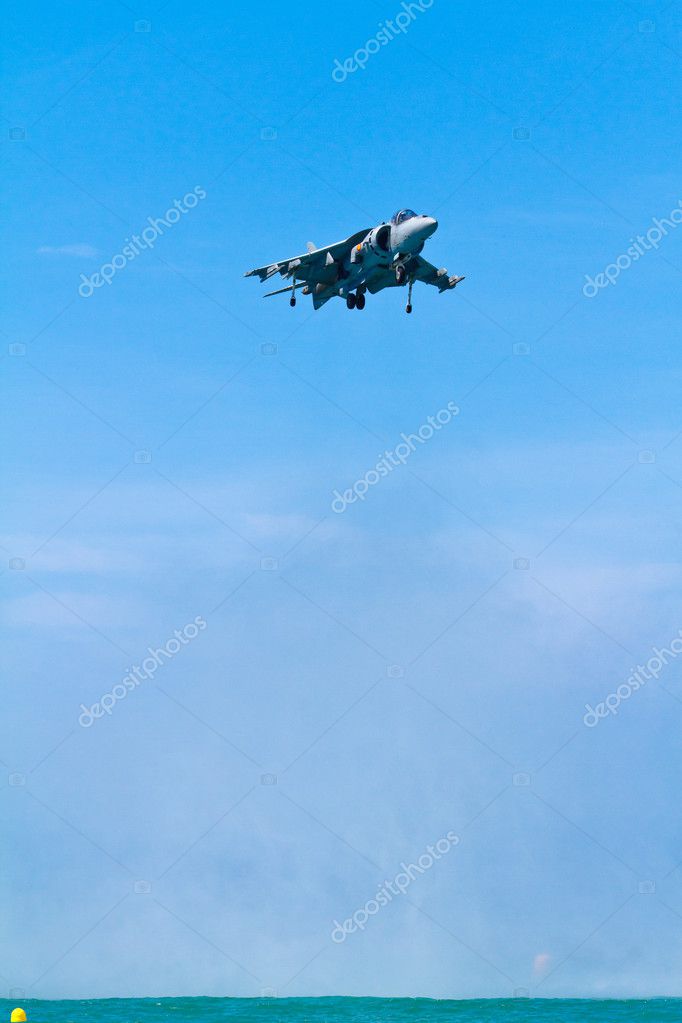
387	256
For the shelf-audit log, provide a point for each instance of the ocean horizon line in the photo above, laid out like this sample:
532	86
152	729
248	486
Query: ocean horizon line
28	1000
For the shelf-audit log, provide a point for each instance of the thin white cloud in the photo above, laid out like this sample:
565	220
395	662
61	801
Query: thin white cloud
66	609
80	249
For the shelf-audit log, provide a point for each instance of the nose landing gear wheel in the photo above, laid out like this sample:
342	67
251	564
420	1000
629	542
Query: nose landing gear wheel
292	301
360	301
408	307
351	300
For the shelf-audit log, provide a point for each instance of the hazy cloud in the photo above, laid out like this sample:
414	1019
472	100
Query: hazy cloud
80	249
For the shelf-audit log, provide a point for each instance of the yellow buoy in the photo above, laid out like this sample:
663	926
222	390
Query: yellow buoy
18	1016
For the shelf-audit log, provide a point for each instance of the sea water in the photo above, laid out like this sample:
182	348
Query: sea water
347	1010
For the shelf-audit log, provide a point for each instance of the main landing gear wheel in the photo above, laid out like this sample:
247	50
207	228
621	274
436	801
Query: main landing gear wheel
351	300
360	300
400	274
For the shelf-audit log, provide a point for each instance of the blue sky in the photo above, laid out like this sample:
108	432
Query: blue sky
365	682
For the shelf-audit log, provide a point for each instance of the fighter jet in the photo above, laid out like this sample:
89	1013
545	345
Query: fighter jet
387	256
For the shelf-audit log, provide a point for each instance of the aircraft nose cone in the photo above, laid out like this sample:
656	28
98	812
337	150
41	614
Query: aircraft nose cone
423	228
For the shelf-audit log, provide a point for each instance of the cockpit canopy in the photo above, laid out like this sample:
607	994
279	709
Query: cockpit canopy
402	215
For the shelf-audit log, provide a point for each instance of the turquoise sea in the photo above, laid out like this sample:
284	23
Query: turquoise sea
346	1010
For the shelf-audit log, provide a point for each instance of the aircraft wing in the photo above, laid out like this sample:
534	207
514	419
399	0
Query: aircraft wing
424	271
314	266
417	268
